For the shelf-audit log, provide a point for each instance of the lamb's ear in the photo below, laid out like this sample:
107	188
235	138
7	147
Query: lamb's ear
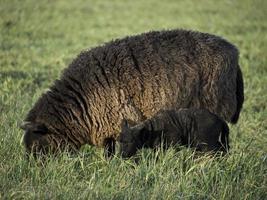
124	124
34	127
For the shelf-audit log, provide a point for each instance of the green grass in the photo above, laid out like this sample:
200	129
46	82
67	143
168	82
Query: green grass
40	38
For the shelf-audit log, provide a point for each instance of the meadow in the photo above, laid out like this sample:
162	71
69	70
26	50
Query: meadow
38	39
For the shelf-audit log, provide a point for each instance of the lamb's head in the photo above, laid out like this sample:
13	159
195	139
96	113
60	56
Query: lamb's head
39	140
218	142
131	139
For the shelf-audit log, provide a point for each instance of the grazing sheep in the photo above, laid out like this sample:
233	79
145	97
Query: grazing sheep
134	78
190	127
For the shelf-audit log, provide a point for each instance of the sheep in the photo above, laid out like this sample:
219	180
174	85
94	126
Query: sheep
134	78
192	127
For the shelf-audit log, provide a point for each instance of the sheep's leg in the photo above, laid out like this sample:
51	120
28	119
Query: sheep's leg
109	145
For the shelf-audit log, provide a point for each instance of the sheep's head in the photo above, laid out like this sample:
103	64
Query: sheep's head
131	139
37	139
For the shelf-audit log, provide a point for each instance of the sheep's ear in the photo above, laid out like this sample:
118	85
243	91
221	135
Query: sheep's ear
124	124
34	127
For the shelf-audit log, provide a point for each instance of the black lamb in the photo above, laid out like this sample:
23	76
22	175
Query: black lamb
196	128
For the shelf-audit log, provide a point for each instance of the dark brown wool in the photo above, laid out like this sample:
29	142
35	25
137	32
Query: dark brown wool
134	78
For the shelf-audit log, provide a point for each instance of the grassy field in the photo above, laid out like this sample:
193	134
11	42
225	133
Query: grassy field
40	38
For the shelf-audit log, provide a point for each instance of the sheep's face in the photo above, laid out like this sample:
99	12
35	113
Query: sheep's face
36	138
129	140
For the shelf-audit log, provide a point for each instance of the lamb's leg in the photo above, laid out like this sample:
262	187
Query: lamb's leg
109	145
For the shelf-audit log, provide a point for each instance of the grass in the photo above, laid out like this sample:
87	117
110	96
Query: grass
39	39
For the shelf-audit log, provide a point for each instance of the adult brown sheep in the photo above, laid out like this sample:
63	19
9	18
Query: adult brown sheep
133	78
